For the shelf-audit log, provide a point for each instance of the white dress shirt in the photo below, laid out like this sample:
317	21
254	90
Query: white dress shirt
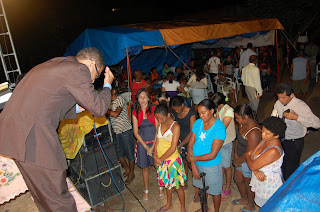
244	58
296	128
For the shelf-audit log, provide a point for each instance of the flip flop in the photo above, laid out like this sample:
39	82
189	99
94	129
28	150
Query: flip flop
196	199
162	210
236	202
245	210
225	195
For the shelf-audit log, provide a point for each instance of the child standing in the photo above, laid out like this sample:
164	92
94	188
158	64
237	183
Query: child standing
170	169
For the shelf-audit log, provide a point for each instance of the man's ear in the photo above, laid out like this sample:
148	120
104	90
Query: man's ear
292	95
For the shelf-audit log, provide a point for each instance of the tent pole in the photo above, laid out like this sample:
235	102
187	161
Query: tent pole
277	48
167	47
129	80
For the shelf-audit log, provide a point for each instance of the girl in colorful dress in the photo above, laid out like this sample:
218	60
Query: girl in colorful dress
265	161
170	169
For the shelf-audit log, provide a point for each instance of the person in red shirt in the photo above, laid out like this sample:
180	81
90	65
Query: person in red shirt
138	83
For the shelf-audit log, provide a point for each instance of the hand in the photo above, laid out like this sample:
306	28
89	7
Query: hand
179	149
108	76
260	175
157	161
195	173
235	162
149	151
81	108
190	158
291	115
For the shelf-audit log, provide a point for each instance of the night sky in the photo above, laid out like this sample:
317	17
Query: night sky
42	29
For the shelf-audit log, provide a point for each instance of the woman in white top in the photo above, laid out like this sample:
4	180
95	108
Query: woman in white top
171	86
199	84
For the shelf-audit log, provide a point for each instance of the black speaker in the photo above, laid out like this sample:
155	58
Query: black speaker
99	188
94	183
92	160
90	140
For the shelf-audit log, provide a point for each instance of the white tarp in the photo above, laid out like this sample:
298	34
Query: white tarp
258	40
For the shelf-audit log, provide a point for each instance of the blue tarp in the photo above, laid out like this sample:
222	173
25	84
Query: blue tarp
156	57
113	42
301	192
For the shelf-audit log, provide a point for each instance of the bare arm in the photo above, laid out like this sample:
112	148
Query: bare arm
308	72
266	158
114	113
136	132
253	138
195	171
216	146
186	139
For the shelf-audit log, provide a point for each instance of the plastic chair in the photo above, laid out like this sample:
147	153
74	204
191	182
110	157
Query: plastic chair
237	79
226	89
317	71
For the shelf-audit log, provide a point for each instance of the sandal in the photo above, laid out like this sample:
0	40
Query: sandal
196	199
162	210
225	195
245	210
161	195
236	202
146	192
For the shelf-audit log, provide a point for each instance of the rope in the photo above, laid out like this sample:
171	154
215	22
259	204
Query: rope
178	57
289	40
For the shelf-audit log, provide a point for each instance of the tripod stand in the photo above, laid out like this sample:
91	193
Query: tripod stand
203	193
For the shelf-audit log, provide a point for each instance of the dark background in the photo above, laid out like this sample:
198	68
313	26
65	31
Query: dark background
42	29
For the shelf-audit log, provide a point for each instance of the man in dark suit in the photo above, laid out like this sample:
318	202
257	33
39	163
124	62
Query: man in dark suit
49	92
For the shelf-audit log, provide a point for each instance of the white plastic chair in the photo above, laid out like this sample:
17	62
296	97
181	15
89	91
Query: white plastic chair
317	71
236	80
225	89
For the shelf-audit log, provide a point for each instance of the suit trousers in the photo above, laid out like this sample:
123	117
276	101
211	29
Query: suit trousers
292	154
253	99
48	188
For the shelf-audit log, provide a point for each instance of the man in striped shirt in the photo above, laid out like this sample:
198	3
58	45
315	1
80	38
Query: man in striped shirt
123	134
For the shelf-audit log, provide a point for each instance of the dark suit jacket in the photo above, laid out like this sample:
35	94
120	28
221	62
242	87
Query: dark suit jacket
47	94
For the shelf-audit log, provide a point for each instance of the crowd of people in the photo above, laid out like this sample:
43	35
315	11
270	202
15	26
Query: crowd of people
265	154
176	124
171	138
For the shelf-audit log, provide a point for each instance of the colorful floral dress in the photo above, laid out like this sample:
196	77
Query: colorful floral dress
171	172
273	181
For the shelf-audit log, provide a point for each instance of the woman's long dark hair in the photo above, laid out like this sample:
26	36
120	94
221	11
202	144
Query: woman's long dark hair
208	103
219	98
138	106
200	74
245	109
